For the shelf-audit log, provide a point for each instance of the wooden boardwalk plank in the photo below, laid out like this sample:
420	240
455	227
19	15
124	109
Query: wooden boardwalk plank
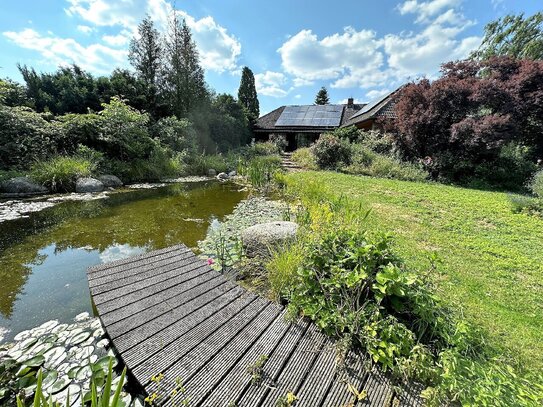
168	312
238	379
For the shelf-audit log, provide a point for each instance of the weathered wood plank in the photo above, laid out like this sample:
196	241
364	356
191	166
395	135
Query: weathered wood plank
184	267
132	262
238	379
352	372
119	302
210	372
186	300
116	280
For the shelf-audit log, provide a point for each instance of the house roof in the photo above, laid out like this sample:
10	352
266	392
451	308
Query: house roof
268	122
382	107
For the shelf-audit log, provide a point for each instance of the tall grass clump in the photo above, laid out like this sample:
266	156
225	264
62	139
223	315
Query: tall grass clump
260	171
60	173
304	158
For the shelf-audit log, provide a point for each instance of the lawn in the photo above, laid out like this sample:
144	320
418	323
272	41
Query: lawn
492	259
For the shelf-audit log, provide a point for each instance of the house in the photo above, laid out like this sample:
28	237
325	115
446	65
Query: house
368	117
302	125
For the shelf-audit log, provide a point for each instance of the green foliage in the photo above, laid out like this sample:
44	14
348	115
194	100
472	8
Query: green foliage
350	133
199	164
247	95
304	158
367	162
60	173
322	97
12	93
82	129
282	269
330	152
259	149
177	134
513	35
26	136
280	141
124	131
256	369
536	184
260	171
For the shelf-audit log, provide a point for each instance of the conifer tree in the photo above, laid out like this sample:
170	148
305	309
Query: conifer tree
322	97
247	95
146	56
185	82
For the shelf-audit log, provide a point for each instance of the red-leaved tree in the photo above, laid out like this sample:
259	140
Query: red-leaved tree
464	118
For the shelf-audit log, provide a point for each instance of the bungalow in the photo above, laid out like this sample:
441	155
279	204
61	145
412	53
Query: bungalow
302	125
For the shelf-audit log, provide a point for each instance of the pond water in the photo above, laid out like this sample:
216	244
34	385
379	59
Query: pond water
43	258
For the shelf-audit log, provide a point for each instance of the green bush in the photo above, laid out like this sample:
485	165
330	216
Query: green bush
536	185
60	173
260	171
304	158
259	149
351	133
280	142
177	134
367	162
376	141
330	152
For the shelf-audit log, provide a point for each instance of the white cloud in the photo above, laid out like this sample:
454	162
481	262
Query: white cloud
219	50
85	29
271	84
119	40
298	96
95	57
342	57
425	10
344	101
376	93
361	59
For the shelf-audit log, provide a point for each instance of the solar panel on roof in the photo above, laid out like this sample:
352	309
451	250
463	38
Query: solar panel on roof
311	116
370	105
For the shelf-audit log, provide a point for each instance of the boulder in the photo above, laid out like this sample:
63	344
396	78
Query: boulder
110	181
222	176
259	239
211	172
232	173
21	185
88	185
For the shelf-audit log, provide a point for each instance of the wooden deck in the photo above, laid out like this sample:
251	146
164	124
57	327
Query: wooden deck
168	312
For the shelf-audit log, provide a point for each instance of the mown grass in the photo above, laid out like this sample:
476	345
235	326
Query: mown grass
491	259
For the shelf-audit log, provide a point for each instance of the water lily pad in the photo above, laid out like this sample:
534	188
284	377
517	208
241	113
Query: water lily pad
37	332
36	361
103	343
27	343
23	371
28	383
53	363
77	339
49	325
98	333
83	373
22	335
103	363
72	371
95	324
60	384
41	348
48	338
49	380
85	352
82	317
59	328
15	354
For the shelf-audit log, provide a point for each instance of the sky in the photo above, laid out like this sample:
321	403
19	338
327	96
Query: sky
355	48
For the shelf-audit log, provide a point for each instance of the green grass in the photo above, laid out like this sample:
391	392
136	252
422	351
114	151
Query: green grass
492	259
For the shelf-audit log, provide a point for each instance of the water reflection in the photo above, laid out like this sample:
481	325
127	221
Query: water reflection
43	258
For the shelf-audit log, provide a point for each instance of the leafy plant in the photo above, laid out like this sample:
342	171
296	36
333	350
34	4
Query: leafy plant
256	369
304	158
330	152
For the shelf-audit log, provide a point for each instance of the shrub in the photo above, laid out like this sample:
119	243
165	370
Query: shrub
177	134
280	142
351	133
330	152
304	158
60	173
376	141
537	184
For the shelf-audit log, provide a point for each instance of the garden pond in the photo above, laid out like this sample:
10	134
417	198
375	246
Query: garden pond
44	256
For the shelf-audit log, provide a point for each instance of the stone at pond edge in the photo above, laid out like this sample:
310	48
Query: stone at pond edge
22	185
222	176
88	185
258	239
211	172
110	181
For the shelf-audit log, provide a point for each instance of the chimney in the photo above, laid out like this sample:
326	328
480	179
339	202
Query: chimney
350	102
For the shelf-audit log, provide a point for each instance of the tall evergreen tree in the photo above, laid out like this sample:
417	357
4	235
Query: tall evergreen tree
247	95
146	56
322	97
184	80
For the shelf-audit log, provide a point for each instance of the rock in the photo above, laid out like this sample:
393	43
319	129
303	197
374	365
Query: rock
22	185
232	173
222	176
110	181
211	172
258	239
88	185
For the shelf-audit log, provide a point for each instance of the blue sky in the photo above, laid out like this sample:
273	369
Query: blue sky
357	49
